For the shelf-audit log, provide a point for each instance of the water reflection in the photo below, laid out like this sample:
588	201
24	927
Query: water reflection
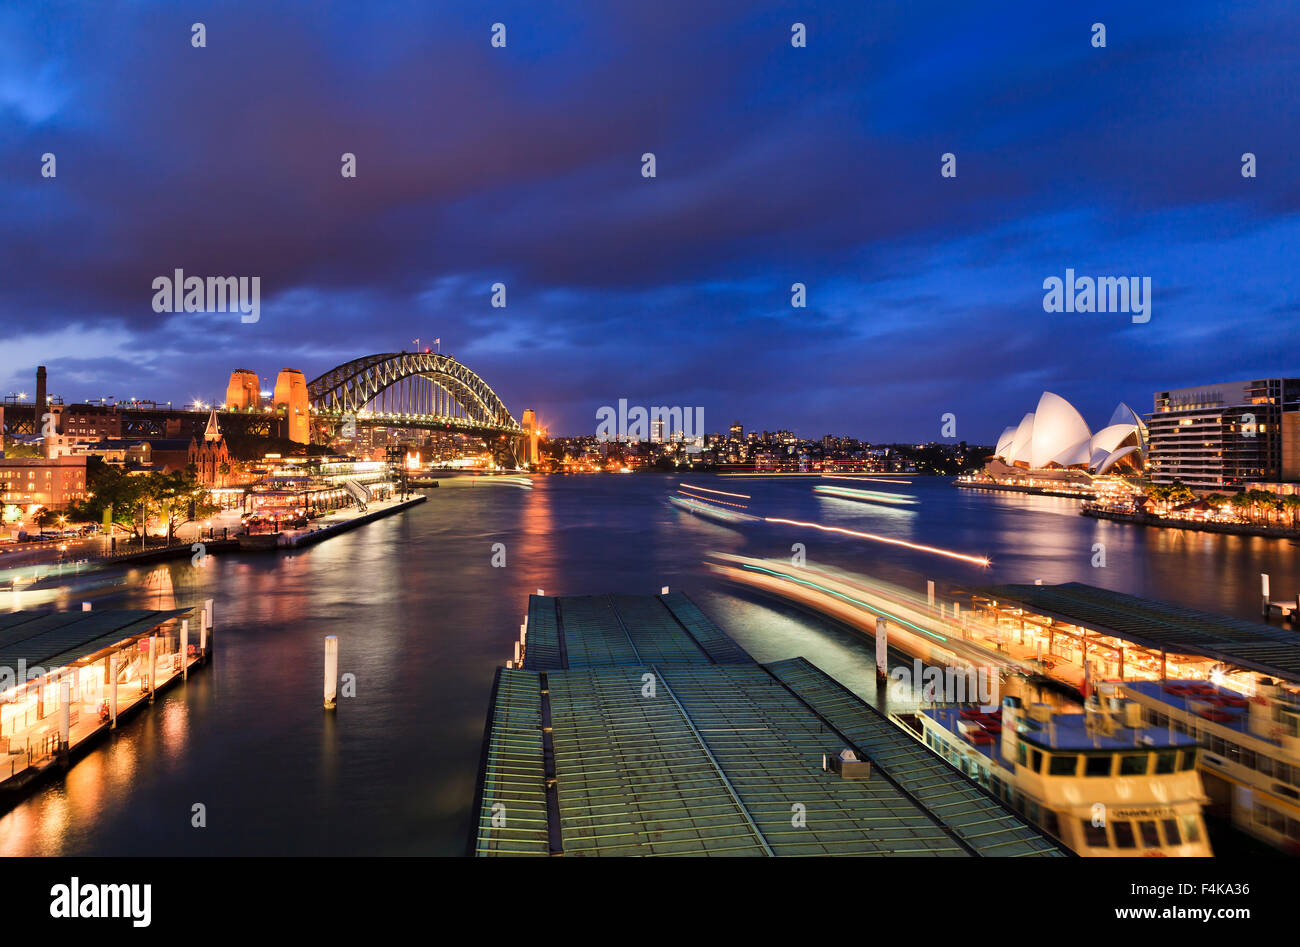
424	620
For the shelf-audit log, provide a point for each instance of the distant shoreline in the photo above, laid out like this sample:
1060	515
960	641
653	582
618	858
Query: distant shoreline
1232	529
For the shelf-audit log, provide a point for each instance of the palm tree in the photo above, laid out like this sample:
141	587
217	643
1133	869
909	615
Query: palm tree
1291	503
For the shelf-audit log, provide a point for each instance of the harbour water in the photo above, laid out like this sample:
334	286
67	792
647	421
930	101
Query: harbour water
424	618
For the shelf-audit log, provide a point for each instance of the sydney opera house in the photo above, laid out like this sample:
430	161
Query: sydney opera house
1053	444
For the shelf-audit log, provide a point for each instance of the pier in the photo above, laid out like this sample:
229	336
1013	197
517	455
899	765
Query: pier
67	678
636	726
327	527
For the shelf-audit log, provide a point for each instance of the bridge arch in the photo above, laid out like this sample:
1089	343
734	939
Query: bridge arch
446	390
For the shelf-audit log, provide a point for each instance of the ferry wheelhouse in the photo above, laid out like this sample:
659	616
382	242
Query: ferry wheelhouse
1102	781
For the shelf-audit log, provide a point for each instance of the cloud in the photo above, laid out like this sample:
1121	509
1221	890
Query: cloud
776	165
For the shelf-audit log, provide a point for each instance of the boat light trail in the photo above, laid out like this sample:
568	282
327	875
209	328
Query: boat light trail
739	506
869	496
848	598
977	560
688	486
872	479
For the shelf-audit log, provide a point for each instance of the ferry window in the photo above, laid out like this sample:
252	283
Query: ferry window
1098	765
1293	828
1216	745
1191	829
1247	757
1124	837
1264	764
1171	831
1053	825
1166	761
1284	772
1189	759
1133	764
1150	837
1094	835
1063	765
1037	765
1022	755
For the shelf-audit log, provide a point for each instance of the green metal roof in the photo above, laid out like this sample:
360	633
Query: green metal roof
513	773
615	630
633	778
673	754
975	816
1162	626
57	639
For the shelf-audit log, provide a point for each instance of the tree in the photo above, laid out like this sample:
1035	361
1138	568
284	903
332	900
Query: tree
108	486
178	498
1179	493
1291	503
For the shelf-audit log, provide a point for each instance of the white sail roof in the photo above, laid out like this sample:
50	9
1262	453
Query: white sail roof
1055	435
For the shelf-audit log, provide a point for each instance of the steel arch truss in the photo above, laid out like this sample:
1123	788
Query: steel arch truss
350	388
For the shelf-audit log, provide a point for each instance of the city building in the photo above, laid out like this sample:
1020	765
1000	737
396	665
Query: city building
1222	437
84	423
30	483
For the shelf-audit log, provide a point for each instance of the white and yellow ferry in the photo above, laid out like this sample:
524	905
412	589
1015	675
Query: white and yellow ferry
1101	781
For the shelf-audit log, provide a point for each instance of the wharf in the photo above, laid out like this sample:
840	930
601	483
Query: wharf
111	663
327	527
636	726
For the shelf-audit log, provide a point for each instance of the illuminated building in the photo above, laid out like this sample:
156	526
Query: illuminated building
33	482
1223	436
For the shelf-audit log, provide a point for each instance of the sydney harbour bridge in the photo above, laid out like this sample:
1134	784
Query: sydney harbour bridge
409	390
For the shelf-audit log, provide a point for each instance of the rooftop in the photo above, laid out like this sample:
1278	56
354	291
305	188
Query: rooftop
57	639
638	727
1068	733
1162	626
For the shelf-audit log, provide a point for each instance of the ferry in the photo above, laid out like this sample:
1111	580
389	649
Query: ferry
1101	781
1249	731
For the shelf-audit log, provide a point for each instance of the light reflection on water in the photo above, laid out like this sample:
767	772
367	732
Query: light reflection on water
424	619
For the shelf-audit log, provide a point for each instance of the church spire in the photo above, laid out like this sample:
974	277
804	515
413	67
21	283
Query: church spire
213	433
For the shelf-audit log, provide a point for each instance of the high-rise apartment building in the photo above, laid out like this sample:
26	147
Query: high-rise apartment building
1225	436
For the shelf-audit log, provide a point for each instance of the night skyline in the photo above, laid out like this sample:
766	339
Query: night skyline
775	165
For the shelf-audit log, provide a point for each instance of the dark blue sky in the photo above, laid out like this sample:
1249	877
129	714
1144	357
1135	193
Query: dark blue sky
775	165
